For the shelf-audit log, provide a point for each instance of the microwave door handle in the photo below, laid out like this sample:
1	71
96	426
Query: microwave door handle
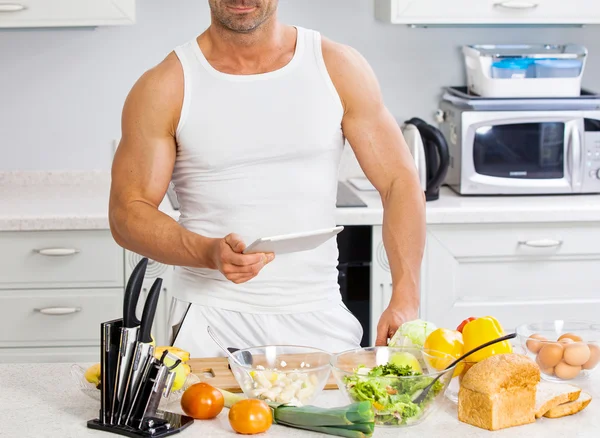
576	158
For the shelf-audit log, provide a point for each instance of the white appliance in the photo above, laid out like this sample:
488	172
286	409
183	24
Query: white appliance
153	271
527	147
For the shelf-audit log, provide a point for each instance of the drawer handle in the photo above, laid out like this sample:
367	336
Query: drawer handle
541	243
12	7
57	252
513	4
58	310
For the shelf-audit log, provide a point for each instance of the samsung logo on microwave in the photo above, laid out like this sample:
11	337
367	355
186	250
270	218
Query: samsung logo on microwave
519	173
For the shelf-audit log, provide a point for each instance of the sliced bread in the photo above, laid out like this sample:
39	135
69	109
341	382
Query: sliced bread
549	395
571	407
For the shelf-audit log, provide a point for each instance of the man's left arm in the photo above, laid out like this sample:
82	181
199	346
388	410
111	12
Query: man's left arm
383	155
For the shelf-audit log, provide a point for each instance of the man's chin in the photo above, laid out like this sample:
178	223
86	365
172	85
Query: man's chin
240	26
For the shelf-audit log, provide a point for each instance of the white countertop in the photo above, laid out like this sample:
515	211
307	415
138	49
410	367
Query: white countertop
42	400
76	201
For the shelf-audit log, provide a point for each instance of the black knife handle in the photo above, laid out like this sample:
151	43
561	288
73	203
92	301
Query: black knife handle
132	294
145	335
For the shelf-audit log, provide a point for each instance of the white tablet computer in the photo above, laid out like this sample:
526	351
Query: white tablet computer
296	242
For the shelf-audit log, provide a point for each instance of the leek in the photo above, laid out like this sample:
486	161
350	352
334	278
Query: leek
230	398
356	420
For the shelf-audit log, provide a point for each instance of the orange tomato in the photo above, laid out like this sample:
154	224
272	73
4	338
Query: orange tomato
202	401
250	416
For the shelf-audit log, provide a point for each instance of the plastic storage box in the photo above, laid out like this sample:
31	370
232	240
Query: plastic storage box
557	68
513	69
549	72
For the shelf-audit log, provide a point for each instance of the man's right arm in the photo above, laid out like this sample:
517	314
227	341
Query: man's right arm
141	172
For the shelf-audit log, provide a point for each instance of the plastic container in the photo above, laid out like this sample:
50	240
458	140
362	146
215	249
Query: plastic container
558	68
512	69
487	78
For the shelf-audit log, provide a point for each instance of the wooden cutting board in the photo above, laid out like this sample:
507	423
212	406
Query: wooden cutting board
216	372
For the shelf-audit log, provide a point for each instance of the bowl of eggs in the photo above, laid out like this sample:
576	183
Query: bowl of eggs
564	350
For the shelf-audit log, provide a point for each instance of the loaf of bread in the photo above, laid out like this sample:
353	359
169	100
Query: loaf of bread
499	392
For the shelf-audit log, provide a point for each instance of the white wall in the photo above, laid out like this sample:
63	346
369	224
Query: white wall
61	91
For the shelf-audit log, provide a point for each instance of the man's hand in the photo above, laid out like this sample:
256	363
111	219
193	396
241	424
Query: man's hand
391	319
227	257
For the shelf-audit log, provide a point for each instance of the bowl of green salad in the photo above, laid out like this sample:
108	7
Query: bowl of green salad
392	378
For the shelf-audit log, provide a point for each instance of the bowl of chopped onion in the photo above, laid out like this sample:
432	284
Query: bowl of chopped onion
286	374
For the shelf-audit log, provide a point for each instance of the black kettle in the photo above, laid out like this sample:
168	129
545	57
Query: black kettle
430	152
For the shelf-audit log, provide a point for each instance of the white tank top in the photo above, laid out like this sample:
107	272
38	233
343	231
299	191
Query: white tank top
258	155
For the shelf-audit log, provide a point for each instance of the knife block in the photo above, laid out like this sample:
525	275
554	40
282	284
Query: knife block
160	424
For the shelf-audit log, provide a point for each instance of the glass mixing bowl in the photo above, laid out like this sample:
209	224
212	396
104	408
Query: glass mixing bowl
564	350
392	396
288	374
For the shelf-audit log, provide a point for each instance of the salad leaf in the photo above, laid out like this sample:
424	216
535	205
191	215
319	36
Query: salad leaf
412	334
391	369
392	397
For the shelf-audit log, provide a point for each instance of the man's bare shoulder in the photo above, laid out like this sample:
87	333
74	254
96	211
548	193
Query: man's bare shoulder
349	70
164	80
158	92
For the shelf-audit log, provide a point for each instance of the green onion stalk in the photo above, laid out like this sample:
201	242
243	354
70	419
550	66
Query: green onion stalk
356	420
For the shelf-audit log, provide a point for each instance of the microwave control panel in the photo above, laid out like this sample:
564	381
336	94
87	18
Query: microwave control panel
591	151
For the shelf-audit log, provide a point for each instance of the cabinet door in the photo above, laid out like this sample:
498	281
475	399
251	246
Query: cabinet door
517	273
66	13
488	11
60	259
56	317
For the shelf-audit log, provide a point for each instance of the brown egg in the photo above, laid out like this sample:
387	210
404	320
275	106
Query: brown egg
550	355
566	341
546	370
576	354
572	336
594	357
533	343
565	371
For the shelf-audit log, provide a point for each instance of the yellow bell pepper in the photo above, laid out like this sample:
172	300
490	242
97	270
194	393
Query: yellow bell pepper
441	343
480	331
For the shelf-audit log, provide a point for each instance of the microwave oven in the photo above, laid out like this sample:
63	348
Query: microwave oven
518	152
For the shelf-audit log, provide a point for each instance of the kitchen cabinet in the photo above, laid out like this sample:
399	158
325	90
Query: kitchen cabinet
519	273
490	12
56	287
66	13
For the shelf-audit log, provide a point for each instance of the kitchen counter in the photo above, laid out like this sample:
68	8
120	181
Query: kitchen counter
42	400
75	201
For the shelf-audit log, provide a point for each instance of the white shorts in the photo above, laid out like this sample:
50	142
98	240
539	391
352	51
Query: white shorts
333	330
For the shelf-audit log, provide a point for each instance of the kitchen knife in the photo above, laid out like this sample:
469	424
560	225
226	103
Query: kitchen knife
144	350
152	388
110	337
129	333
148	375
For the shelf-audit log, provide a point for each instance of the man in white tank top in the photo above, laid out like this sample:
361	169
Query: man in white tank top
249	120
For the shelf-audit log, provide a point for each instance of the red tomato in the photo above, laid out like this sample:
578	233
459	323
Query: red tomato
202	402
464	323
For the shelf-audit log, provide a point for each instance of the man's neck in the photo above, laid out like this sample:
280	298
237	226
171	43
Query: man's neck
247	47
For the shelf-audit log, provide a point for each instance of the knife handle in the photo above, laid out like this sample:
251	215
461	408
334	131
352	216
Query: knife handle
132	293
149	312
